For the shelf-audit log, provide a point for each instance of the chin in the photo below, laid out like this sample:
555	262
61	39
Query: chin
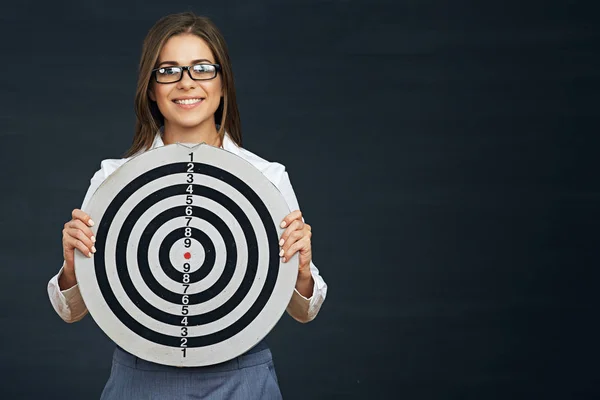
190	123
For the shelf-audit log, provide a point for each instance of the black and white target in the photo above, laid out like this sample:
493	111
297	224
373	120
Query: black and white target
187	269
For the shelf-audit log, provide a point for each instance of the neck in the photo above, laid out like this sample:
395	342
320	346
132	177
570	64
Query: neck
206	132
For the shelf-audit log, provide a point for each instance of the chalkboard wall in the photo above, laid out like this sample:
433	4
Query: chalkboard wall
445	154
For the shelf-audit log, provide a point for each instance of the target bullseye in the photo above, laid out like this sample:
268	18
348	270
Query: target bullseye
178	260
186	270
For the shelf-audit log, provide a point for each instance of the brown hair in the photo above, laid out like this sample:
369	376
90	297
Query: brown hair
149	118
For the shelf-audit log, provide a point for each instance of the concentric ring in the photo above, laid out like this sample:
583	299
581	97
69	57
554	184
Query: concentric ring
173	319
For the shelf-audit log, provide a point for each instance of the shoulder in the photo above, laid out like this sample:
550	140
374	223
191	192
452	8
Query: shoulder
274	171
107	167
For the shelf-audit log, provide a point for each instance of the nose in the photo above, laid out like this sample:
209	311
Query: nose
186	81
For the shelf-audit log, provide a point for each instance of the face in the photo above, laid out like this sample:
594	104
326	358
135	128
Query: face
183	50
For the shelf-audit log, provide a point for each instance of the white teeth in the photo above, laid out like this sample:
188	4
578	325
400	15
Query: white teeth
188	101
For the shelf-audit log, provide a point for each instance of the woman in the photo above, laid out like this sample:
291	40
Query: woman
185	93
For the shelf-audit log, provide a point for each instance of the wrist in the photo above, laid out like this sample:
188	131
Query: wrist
68	270
67	279
305	283
304	275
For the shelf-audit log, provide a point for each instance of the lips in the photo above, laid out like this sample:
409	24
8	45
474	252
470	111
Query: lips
188	104
188	101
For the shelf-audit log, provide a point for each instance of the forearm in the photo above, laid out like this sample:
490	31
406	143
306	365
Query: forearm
305	283
305	305
67	279
67	303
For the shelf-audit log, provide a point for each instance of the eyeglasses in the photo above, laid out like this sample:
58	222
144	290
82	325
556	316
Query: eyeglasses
198	72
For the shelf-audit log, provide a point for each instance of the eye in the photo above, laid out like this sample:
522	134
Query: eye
203	68
169	71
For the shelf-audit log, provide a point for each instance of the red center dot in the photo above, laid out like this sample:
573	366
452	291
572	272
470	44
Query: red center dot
187	256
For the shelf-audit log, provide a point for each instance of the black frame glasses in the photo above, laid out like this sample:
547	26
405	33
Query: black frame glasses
185	67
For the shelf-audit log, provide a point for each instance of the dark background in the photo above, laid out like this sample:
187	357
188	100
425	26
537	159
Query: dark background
445	154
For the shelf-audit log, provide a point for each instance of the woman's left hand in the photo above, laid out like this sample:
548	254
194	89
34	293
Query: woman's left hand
296	239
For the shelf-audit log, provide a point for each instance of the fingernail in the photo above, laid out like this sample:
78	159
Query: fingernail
89	255
283	224
93	249
90	222
93	239
281	253
281	242
284	259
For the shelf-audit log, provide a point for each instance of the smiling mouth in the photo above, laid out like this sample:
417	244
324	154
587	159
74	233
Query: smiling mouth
188	101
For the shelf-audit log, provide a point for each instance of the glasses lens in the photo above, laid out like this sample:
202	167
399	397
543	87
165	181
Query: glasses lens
203	71
168	74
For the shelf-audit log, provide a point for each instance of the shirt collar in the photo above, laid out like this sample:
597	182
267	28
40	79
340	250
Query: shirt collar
228	143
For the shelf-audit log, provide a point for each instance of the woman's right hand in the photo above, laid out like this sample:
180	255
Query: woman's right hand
76	235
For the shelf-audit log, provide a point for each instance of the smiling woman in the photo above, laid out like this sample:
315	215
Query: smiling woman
194	42
185	93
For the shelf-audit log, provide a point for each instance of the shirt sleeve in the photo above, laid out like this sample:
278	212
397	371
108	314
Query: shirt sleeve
69	304
300	308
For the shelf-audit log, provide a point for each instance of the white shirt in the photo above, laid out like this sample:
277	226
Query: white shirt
70	305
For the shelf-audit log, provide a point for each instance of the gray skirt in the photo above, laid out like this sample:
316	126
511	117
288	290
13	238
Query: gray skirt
249	376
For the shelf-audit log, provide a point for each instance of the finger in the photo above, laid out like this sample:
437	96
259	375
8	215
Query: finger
82	237
300	245
291	239
295	225
79	224
290	217
78	214
74	243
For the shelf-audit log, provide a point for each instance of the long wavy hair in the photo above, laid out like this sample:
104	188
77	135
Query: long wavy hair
148	116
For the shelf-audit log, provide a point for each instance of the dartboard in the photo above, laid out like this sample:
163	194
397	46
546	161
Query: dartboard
187	269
